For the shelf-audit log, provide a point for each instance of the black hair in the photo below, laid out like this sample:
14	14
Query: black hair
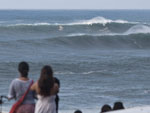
118	105
23	68
105	108
78	111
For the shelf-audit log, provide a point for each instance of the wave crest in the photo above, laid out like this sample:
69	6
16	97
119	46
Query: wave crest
95	20
138	29
101	20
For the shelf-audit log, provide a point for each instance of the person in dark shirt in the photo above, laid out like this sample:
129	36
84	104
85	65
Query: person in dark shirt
57	96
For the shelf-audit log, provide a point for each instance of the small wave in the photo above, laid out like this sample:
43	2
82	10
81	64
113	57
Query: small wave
77	34
64	73
138	29
91	72
72	73
146	30
28	24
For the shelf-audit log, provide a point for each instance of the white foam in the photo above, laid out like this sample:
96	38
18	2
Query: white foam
27	24
99	20
95	20
141	109
77	34
138	29
91	72
65	73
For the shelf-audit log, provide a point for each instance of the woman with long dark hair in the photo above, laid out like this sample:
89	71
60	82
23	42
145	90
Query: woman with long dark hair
19	86
46	90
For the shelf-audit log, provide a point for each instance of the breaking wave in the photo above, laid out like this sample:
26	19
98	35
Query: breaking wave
95	20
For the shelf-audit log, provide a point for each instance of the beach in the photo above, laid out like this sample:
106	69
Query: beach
142	109
99	56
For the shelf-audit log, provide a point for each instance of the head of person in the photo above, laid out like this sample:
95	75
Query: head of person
118	106
46	81
78	111
56	80
106	108
23	69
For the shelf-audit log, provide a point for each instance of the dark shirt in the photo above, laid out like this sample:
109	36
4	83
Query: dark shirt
57	96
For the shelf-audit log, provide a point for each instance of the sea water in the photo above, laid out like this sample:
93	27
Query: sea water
99	56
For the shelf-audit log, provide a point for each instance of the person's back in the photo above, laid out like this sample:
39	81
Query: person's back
46	90
19	86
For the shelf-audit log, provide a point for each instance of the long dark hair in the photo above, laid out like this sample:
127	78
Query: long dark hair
46	81
23	68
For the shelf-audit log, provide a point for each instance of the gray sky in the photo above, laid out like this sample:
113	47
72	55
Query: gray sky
74	4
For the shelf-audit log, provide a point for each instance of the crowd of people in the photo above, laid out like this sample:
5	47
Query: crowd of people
45	90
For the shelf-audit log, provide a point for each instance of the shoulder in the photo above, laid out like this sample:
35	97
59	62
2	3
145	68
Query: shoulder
14	81
34	86
31	80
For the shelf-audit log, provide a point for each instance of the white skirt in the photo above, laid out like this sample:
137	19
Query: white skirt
45	104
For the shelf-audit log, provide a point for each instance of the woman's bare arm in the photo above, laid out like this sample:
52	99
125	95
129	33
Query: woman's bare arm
55	89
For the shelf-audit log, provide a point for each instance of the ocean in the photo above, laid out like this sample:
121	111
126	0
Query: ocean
100	56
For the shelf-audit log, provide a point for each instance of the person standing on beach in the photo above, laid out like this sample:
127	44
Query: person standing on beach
46	90
57	96
19	86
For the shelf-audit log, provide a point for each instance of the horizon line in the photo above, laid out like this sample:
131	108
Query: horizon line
69	9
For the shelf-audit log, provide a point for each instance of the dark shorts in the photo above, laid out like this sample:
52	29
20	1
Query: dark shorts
26	108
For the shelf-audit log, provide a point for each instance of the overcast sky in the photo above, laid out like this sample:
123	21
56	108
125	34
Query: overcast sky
74	4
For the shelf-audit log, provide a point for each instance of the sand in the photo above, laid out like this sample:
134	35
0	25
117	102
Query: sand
141	109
